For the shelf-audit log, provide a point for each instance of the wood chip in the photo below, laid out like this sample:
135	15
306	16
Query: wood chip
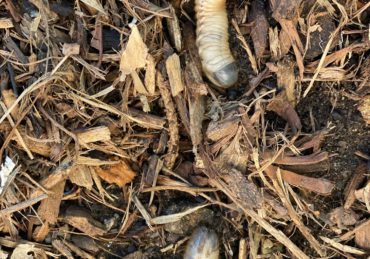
173	67
95	134
6	23
135	54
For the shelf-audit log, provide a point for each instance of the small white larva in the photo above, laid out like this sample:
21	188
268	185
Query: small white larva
203	243
213	42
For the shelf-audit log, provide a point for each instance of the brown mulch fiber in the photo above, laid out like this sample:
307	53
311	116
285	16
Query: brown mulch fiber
113	144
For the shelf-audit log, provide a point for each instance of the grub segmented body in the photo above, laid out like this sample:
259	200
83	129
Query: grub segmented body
203	243
213	42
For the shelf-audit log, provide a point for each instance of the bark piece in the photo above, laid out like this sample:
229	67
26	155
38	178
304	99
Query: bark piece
81	176
260	27
318	185
81	219
354	184
284	109
49	208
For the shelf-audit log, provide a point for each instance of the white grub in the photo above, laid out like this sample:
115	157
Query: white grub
203	243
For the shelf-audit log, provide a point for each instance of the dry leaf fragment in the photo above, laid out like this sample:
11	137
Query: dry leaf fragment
119	174
135	54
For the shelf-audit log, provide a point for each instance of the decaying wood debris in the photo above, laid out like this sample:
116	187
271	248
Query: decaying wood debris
114	144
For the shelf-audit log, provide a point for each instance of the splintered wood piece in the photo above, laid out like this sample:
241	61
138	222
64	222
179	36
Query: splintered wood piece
343	248
49	208
6	23
62	248
119	174
81	176
284	109
357	179
149	79
135	54
173	67
196	110
101	133
260	27
174	29
220	129
318	185
173	126
81	219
